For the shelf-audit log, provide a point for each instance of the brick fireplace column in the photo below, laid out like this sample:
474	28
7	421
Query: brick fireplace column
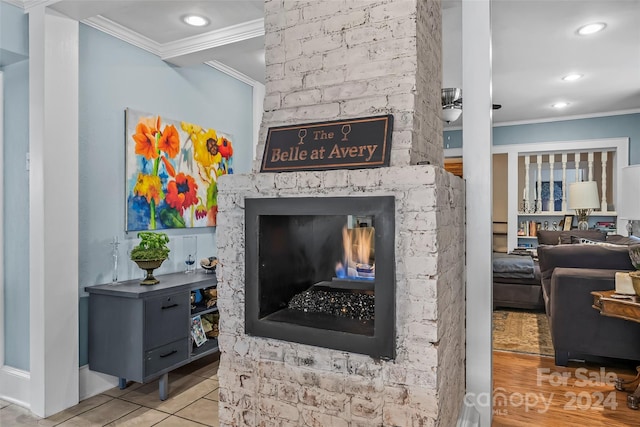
342	59
351	58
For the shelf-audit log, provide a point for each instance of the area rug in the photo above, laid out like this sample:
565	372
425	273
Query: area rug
522	331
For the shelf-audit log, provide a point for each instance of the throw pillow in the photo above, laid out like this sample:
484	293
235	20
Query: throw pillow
584	241
565	236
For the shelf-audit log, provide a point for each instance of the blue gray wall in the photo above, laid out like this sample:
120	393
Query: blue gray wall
627	125
13	50
113	76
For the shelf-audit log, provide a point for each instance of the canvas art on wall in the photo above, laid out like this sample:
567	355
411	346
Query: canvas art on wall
172	168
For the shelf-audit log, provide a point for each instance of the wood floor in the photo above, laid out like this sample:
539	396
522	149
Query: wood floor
532	391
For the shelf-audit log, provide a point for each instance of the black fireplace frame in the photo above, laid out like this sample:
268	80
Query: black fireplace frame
379	344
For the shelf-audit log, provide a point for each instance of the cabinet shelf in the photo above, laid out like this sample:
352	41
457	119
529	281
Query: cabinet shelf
199	311
210	346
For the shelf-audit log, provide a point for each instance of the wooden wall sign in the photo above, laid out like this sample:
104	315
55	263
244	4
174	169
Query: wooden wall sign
339	144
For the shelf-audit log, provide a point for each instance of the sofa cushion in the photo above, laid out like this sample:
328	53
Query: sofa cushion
549	237
623	240
579	256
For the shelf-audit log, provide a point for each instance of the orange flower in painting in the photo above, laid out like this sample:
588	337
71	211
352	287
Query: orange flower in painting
182	192
149	187
169	141
168	166
145	138
225	148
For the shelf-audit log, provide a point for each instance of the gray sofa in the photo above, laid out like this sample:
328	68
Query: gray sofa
569	274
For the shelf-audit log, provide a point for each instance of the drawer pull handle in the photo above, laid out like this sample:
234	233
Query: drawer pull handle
168	354
169	306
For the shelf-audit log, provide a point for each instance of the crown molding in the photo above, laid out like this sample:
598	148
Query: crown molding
232	72
556	119
16	3
223	36
118	31
567	118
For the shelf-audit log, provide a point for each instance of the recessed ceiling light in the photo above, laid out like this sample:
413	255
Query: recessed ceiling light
195	20
572	77
560	104
585	30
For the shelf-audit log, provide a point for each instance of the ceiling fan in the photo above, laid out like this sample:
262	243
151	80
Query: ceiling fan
452	104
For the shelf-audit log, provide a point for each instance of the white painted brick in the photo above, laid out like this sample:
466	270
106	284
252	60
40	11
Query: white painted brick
344	91
396	415
319	10
276	408
271	102
367	34
275	71
303	65
421	266
324	78
364	106
319	419
287	84
321	44
366	408
342	22
303	31
392	10
402	102
345	57
373	69
304	97
392	85
336	179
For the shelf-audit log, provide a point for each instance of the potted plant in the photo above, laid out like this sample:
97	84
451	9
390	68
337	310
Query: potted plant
150	253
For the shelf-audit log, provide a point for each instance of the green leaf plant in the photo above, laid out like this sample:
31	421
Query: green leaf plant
153	246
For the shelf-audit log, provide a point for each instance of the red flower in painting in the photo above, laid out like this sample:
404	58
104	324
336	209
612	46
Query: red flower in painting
201	211
224	147
169	141
181	192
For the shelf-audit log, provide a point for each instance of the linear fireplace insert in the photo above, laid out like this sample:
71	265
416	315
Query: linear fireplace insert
321	271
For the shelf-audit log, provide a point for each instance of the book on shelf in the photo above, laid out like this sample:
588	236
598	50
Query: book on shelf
197	331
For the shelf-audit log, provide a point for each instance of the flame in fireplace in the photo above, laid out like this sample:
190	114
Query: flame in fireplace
359	257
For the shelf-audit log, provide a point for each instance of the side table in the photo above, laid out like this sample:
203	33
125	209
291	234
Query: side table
628	308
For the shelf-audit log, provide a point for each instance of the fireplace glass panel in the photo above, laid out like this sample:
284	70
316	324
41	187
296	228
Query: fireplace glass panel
320	271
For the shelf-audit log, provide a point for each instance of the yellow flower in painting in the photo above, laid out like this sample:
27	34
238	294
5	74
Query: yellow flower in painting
206	149
190	128
149	187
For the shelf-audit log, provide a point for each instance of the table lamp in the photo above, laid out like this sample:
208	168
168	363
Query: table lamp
583	197
629	200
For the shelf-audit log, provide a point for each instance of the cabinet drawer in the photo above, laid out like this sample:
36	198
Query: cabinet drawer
166	319
163	357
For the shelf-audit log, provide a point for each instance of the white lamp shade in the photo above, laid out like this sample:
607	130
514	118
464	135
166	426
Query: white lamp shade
583	195
451	114
629	199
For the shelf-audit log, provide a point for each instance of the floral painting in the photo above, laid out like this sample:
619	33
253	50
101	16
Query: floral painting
172	169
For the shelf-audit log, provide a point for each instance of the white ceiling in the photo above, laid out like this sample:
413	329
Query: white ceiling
534	45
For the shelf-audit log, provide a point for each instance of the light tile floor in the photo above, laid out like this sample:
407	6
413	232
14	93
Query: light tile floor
192	401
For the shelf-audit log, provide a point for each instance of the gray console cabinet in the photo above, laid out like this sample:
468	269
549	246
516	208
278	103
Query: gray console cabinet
140	333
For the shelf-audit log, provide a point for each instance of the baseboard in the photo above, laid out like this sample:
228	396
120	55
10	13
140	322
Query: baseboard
92	383
15	386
